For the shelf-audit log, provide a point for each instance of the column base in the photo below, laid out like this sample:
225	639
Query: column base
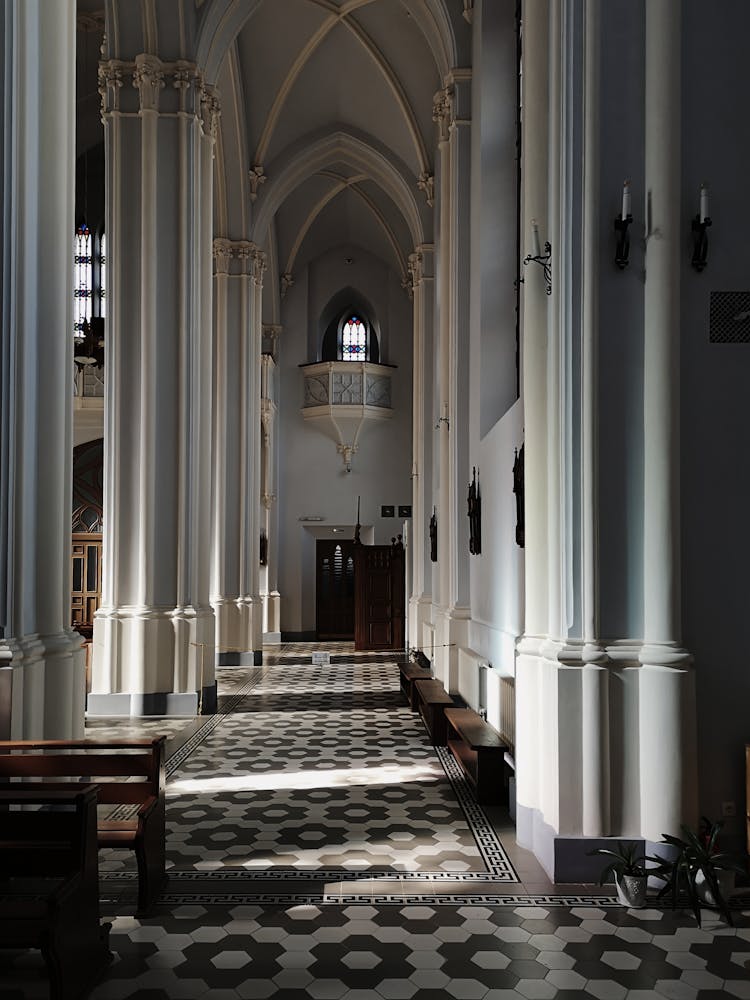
152	660
43	686
420	612
451	631
154	703
233	628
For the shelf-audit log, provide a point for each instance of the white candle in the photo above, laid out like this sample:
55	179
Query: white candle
704	202
535	239
625	199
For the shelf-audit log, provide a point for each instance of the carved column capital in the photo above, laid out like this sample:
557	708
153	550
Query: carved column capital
222	250
257	177
442	112
426	183
111	75
148	80
258	266
414	267
210	111
285	281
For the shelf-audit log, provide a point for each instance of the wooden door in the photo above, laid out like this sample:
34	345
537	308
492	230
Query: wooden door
335	589
379	610
86	582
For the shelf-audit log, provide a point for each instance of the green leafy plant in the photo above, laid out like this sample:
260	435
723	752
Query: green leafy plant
627	859
696	854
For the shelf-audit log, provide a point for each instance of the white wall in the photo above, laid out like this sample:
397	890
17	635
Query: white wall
496	414
312	478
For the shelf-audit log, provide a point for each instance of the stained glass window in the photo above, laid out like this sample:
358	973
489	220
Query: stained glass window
81	280
102	274
354	340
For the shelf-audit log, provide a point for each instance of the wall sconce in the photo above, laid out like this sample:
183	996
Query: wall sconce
544	259
700	237
444	419
622	252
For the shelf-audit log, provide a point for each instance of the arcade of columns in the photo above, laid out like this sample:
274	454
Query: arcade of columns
184	412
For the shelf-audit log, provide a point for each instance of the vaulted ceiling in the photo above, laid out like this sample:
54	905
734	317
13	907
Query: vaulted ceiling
327	137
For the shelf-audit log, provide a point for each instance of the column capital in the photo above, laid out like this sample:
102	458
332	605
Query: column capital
162	87
257	176
286	281
222	251
442	111
426	183
148	80
413	278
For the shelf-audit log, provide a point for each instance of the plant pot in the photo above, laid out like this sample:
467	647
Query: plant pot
726	885
631	890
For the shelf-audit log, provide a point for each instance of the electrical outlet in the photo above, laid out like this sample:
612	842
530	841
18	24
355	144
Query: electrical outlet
728	809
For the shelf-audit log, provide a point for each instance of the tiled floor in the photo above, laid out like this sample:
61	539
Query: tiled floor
320	848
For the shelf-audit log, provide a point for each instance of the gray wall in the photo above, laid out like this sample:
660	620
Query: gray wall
715	381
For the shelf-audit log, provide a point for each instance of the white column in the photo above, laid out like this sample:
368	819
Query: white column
154	632
452	113
251	482
667	748
235	585
40	653
595	680
421	286
268	573
530	754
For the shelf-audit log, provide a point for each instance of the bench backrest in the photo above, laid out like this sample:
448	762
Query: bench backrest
54	836
107	763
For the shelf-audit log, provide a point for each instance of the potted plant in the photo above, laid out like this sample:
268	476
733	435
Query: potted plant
627	866
698	869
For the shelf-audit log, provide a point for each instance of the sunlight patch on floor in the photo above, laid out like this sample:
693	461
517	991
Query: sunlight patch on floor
389	774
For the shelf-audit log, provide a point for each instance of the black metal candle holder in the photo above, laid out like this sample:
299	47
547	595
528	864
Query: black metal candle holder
545	261
622	251
700	242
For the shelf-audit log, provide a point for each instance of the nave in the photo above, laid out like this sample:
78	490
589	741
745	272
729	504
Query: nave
320	847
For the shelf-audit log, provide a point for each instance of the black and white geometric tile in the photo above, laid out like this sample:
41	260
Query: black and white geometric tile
326	852
419	952
268	787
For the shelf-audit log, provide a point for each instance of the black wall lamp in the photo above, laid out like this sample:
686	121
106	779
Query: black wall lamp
700	237
622	222
544	259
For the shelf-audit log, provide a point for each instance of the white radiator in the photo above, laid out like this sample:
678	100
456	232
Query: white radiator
472	679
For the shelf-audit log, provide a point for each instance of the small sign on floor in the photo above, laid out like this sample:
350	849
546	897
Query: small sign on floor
321	659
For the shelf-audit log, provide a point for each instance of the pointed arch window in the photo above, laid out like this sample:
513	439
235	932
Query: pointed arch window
354	339
89	278
82	280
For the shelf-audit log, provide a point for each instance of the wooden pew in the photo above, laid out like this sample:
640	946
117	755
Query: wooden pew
480	750
433	699
49	884
110	764
408	673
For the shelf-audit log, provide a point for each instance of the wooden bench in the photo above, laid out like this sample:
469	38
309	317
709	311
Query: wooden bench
109	764
408	673
480	750
432	702
49	884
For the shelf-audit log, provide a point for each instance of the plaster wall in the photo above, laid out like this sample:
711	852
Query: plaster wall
496	414
715	475
312	478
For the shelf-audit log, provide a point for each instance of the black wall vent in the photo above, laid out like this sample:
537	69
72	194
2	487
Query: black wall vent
729	318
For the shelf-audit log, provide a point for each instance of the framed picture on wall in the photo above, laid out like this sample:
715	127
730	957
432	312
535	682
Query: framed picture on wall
404	510
388	511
